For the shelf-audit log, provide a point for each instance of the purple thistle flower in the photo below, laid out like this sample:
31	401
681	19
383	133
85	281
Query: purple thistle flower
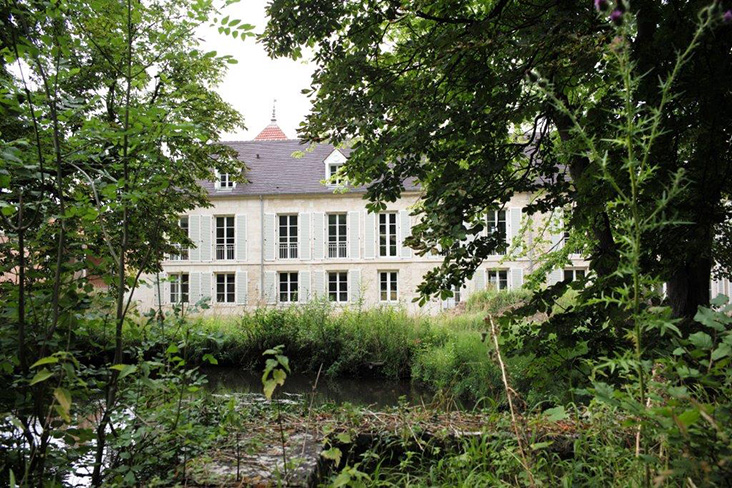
601	5
726	18
616	16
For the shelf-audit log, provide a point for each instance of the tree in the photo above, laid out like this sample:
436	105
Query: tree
108	123
446	92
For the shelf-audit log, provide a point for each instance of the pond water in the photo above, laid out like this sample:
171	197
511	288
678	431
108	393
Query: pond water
357	391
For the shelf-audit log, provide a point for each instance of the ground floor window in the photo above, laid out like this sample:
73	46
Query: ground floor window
498	278
225	289
456	294
338	286
573	274
388	286
179	288
288	287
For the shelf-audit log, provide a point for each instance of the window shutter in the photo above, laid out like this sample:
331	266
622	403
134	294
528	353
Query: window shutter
194	287
405	230
369	235
206	285
194	231
269	236
557	231
241	237
517	278
354	284
166	289
159	288
555	276
242	284
318	235
270	293
354	235
319	284
205	238
303	223
479	280
514	225
303	286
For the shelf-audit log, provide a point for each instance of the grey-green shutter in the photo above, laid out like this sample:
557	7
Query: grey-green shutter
242	284
353	235
303	223
479	280
194	231
241	237
354	284
205	238
405	230
369	236
206	285
514	225
269	236
517	278
555	276
270	292
318	235
194	287
303	286
319	284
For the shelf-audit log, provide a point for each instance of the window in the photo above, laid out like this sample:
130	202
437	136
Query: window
332	172
288	236
337	236
182	254
179	288
498	278
225	288
387	234
225	182
388	286
497	225
224	237
573	274
338	286
288	287
456	296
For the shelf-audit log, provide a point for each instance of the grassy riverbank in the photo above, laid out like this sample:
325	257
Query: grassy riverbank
444	352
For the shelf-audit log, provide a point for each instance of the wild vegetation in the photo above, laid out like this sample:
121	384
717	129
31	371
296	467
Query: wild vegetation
103	115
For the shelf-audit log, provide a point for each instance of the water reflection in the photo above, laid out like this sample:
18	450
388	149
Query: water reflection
358	391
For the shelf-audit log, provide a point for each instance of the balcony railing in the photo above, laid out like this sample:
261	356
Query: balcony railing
337	249
224	251
288	250
181	255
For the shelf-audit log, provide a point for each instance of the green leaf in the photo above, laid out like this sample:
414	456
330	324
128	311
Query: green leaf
689	417
334	454
702	340
210	359
555	414
723	351
344	437
40	376
124	369
63	397
46	360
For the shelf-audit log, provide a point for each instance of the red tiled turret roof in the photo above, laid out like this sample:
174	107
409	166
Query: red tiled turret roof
271	133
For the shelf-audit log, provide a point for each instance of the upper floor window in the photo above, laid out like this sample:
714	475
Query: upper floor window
182	253
225	288
498	278
338	286
497	225
388	234
288	287
224	237
333	177
388	286
337	236
179	288
288	236
224	181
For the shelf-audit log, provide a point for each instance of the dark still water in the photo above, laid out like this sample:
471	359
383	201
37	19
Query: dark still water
358	391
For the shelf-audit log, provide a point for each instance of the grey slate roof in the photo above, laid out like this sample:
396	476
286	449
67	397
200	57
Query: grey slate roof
273	170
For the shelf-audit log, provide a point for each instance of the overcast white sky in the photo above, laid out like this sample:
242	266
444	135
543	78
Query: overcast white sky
257	80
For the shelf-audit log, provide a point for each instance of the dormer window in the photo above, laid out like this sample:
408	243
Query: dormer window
333	163
224	181
333	177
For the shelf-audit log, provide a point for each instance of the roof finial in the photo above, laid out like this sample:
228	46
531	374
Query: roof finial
274	117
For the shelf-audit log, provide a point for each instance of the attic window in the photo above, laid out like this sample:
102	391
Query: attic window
332	172
224	181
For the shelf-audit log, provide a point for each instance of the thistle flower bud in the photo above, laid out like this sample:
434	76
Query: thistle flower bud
727	17
616	16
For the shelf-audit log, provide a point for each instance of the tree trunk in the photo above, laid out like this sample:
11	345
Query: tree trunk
688	287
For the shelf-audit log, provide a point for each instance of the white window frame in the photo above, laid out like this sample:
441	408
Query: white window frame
333	163
179	288
494	223
183	251
337	241
226	244
333	178
287	243
390	248
390	278
498	278
341	291
224	182
290	294
229	290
